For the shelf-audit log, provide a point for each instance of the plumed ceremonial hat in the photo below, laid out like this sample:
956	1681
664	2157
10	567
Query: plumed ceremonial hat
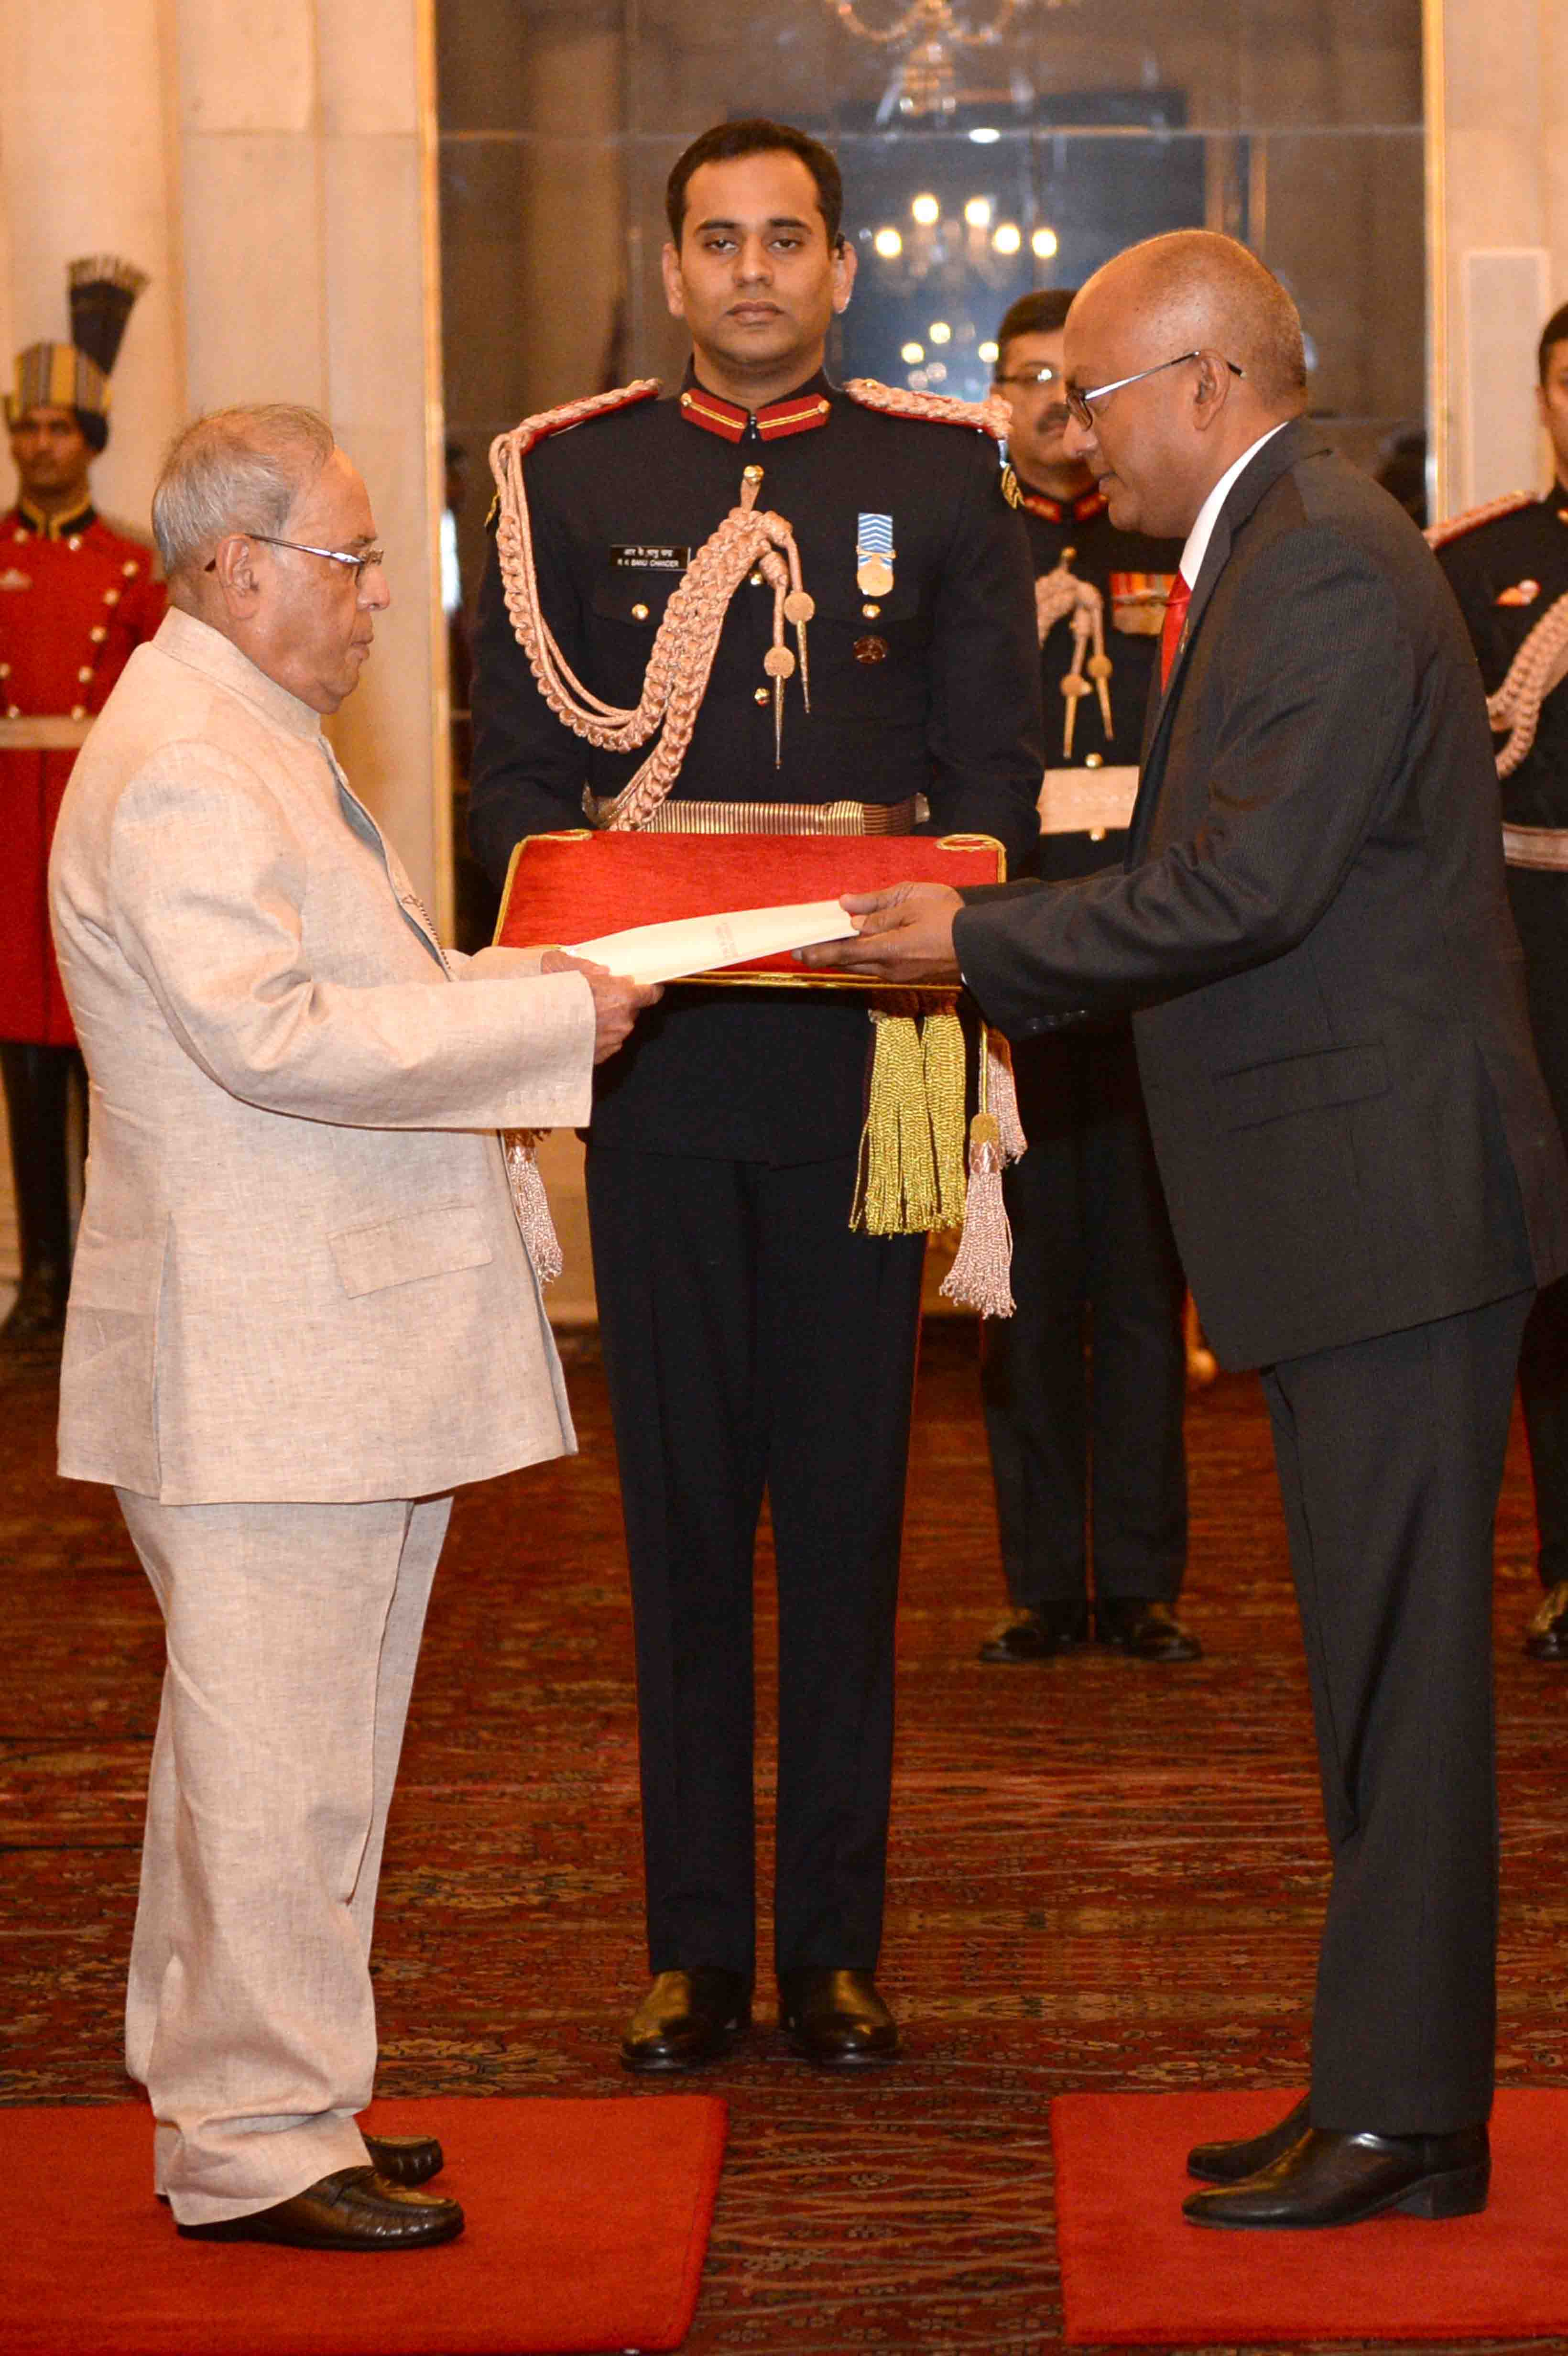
103	290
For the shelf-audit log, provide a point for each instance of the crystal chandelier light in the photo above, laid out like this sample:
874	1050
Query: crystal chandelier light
925	40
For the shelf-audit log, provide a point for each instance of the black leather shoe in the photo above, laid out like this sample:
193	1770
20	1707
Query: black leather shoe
37	1314
408	2161
1327	2178
1229	2163
1145	1627
836	2018
1038	1635
687	2018
1546	1637
352	2209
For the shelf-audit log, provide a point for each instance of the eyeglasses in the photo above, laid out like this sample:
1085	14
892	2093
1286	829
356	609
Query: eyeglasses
372	561
1079	405
1030	376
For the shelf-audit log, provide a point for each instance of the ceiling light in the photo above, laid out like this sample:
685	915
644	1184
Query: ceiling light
989	353
940	332
1045	242
1008	237
985	137
888	244
977	213
926	210
912	354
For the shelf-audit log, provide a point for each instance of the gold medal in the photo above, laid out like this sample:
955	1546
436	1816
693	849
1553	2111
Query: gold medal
874	576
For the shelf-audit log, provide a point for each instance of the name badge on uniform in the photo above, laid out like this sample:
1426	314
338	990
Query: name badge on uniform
874	555
649	556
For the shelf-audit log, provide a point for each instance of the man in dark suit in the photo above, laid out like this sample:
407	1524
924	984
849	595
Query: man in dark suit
1364	1174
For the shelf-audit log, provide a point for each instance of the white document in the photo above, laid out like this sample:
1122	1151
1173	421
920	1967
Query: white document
698	944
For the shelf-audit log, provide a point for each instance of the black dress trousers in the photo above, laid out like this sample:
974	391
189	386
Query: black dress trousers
1540	903
1391	1547
750	1340
1075	1449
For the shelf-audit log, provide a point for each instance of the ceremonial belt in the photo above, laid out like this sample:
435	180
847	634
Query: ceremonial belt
1535	846
1083	801
43	733
674	817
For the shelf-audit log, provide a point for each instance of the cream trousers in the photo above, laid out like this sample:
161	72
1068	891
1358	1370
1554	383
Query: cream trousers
292	1634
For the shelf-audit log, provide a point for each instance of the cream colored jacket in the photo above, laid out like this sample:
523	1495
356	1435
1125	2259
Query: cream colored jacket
298	1275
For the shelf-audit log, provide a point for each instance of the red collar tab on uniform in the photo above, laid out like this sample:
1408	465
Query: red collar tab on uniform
801	413
1086	506
54	527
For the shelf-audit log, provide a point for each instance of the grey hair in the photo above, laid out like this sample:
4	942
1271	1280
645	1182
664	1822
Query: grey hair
235	470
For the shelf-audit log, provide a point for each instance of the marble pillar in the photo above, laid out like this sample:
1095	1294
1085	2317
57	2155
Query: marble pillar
89	164
1498	220
308	144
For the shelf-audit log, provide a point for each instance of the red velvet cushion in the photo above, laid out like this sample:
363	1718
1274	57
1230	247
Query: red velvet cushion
577	886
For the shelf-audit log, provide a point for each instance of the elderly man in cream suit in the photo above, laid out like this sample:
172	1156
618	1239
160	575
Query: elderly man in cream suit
302	1308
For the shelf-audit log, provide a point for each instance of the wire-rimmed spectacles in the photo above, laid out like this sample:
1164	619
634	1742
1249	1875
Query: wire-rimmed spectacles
1081	405
370	561
1035	376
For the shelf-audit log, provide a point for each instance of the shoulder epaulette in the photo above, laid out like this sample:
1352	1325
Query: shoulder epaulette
1438	535
990	416
522	438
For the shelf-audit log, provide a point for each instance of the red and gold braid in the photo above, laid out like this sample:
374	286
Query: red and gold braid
1540	666
992	415
1438	535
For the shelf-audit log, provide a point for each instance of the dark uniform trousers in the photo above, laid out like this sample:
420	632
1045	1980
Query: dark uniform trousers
1540	903
1090	1231
1390	1548
751	1339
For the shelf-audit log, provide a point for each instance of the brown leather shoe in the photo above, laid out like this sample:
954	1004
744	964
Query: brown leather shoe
352	2209
1146	1628
1230	2163
687	2018
836	2018
408	2161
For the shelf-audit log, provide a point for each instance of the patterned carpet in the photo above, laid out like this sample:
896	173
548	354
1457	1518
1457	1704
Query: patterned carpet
1104	1874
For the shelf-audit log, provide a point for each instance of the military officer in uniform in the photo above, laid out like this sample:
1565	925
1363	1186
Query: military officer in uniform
752	1341
1507	565
75	599
1085	1451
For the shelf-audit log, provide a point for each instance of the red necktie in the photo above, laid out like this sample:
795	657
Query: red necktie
1176	606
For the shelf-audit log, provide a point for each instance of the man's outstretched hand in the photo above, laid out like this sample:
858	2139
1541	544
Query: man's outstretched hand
616	1004
902	934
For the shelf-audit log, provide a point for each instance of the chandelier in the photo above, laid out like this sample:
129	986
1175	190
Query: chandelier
925	40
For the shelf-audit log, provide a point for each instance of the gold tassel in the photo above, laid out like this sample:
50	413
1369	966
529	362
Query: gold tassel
942	1045
895	1189
1003	1097
979	1276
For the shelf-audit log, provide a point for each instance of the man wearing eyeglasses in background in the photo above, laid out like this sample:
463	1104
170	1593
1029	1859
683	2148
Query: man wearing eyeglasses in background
301	1310
1364	1173
1092	1239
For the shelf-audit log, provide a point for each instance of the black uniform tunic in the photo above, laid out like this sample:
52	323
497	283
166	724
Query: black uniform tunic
1506	574
750	1339
1096	1444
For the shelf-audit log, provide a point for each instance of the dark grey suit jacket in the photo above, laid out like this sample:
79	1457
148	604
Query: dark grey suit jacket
1350	1124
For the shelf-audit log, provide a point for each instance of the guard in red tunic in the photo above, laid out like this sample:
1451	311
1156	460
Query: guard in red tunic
76	598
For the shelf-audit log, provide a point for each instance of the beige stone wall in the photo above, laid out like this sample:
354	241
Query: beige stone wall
1502	78
273	167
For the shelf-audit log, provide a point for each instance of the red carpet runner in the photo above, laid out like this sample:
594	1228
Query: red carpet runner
586	2226
1134	2273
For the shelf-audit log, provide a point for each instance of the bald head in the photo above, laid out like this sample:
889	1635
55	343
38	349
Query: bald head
1220	341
